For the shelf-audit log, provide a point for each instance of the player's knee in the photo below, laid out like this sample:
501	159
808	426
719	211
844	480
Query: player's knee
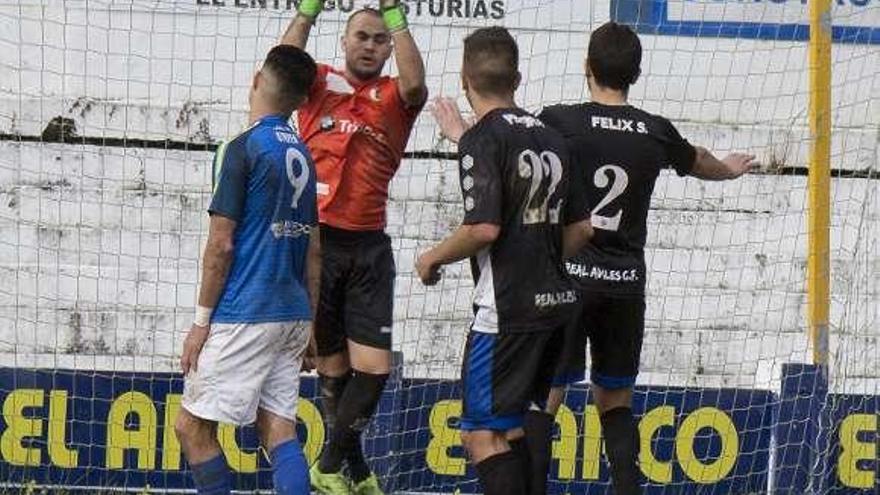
333	365
274	430
192	430
378	367
465	438
479	441
472	442
514	434
184	426
608	398
554	400
368	359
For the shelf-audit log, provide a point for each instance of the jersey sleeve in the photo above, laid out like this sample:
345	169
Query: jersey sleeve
480	179
231	170
407	113
680	154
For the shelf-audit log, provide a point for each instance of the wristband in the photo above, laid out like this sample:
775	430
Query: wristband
310	8
203	316
395	19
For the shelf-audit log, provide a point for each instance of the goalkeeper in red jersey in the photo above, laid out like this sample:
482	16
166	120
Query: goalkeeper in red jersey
356	124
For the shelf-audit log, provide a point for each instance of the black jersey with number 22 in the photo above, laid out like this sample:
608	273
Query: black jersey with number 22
617	153
514	174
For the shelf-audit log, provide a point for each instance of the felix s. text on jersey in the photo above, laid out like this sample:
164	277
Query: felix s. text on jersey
619	124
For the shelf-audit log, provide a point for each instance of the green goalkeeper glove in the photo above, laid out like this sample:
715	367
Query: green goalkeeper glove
393	15
310	8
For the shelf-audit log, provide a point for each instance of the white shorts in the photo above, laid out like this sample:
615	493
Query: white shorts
245	366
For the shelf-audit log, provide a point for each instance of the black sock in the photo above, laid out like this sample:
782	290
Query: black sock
332	388
501	474
539	437
357	465
354	410
622	448
520	447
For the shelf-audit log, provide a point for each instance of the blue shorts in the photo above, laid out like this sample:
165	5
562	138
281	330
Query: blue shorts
503	374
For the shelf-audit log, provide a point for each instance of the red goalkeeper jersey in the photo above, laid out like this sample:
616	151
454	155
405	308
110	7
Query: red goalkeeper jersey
356	134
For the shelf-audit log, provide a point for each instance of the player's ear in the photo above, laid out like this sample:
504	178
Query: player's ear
256	80
636	77
517	81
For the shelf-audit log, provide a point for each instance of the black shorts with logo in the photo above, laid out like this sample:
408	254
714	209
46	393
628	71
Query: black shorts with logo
357	290
615	326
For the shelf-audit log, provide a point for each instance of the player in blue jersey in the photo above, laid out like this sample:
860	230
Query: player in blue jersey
260	277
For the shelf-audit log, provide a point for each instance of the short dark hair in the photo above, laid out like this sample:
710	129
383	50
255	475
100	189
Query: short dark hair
491	61
363	10
294	71
615	56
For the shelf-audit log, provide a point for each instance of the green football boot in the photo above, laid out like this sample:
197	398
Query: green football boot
369	486
329	483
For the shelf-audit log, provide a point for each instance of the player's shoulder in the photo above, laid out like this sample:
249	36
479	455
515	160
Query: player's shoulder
235	147
272	132
331	80
655	122
569	119
325	70
242	138
510	125
481	131
511	121
562	113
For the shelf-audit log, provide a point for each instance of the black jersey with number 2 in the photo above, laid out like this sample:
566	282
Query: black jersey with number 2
514	174
617	153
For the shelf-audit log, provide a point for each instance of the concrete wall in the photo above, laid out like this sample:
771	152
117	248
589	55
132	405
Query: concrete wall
99	246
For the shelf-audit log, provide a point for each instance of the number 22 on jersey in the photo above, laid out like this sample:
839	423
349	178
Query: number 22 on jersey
536	167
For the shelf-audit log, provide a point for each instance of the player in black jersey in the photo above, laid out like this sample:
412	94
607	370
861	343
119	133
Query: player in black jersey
617	153
519	220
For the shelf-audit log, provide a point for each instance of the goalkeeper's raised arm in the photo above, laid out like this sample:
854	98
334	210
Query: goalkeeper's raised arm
410	66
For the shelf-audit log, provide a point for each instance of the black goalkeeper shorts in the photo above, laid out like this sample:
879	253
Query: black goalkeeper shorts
357	290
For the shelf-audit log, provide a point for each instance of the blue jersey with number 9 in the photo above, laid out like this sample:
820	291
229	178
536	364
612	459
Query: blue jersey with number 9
265	181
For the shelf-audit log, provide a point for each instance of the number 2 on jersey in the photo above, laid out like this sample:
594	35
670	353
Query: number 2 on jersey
300	181
536	167
618	186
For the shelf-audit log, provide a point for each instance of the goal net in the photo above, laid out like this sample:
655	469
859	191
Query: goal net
110	111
